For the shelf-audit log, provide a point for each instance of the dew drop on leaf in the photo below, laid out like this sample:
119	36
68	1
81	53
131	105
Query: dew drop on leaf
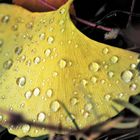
62	63
107	97
25	128
50	40
5	19
55	106
47	52
74	101
49	92
21	81
1	43
18	50
93	79
114	59
105	51
41	117
42	36
28	94
8	64
127	76
133	87
94	66
37	60
36	91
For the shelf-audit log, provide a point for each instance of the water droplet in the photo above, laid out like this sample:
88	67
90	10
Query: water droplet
127	76
47	52
133	87
18	50
22	105
3	97
33	50
62	11
102	81
120	95
93	79
11	109
69	63
1	42
84	82
55	106
110	74
36	131
25	128
5	19
37	60
133	66
62	30
55	74
107	97
114	59
88	107
28	63
22	58
69	42
42	36
76	46
82	111
86	114
21	81
62	63
75	92
106	66
94	66
15	27
28	94
61	22
49	92
36	91
74	101
50	40
105	51
1	117
109	85
8	64
41	117
29	25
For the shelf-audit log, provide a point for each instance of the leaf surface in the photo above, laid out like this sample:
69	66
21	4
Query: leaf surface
44	59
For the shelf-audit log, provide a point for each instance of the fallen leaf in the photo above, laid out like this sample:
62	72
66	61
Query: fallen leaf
43	60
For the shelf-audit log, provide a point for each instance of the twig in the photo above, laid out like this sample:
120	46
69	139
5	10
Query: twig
93	25
70	116
90	24
127	136
131	12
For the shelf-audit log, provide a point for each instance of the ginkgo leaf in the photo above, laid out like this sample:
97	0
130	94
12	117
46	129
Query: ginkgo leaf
44	59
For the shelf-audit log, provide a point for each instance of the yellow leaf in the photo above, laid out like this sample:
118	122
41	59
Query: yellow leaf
44	59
